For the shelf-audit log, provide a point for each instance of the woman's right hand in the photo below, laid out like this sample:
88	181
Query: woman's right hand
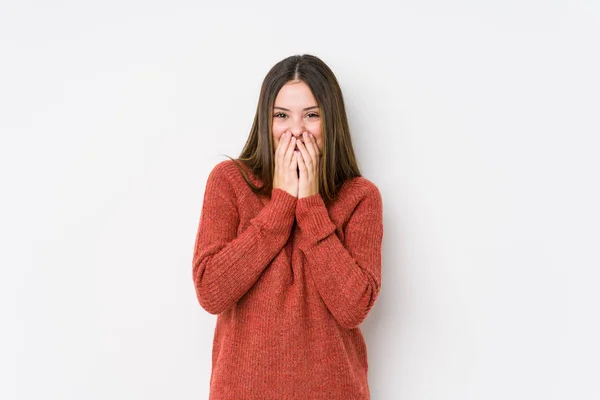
286	165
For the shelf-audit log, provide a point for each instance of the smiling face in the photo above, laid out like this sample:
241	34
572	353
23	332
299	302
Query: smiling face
296	110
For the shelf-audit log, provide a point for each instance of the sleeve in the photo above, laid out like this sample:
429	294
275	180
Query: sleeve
225	265
347	275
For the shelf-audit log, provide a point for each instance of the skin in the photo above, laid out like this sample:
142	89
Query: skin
298	140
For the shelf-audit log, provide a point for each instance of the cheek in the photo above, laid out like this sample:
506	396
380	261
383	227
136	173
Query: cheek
277	132
316	131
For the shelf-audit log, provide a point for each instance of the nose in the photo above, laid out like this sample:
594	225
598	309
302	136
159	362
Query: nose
297	127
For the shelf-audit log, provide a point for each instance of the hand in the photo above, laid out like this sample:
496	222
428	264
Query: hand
308	164
285	176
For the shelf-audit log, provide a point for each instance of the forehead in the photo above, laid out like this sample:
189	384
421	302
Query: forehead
295	92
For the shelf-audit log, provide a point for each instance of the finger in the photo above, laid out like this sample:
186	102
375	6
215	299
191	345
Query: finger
311	145
301	163
283	142
289	153
308	144
306	156
281	148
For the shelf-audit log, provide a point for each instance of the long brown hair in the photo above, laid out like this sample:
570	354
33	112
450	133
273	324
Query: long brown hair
338	162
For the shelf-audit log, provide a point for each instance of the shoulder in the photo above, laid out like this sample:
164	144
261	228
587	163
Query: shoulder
226	171
360	201
358	196
220	179
360	188
229	175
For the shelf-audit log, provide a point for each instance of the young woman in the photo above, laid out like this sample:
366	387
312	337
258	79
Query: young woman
289	246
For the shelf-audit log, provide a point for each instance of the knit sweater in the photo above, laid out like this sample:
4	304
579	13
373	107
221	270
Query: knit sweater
290	280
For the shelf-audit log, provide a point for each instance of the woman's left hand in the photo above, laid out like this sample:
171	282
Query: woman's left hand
308	164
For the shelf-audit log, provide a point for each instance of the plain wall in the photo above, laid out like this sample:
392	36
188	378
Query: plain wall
478	121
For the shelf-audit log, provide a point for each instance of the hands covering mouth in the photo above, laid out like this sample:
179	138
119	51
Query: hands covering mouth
297	164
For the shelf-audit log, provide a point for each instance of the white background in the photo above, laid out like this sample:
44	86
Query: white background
478	120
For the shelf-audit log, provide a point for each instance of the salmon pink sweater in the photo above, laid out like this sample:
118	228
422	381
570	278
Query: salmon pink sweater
290	281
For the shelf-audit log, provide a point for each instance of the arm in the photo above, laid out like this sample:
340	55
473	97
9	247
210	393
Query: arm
225	266
347	275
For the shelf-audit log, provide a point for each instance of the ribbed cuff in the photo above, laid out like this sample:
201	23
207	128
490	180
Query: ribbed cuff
313	218
281	211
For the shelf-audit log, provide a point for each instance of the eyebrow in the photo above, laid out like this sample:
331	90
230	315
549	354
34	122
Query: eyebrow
306	109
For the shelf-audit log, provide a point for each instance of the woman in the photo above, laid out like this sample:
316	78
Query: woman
288	248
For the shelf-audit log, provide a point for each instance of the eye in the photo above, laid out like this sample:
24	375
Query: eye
279	115
312	115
